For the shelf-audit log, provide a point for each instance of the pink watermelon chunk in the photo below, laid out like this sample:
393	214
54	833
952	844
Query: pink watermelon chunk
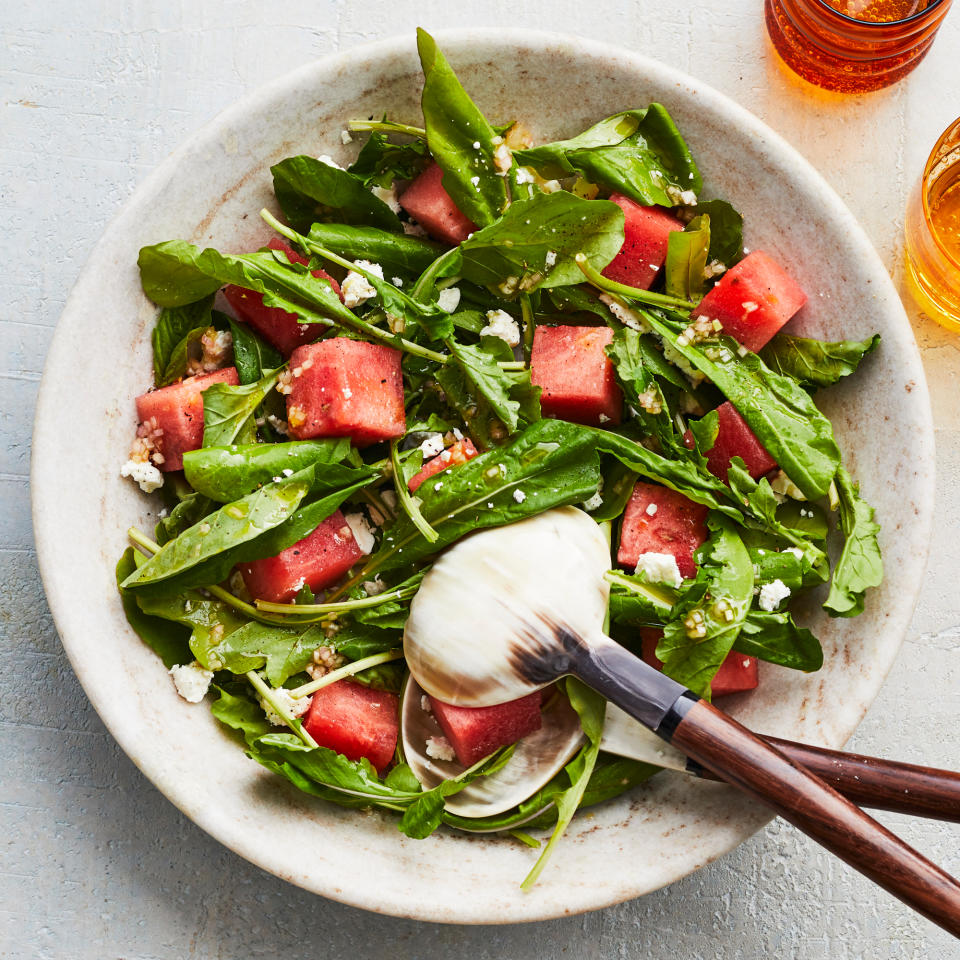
173	415
734	439
575	375
659	520
318	560
277	326
644	250
752	300
346	388
433	208
737	674
456	454
475	732
355	720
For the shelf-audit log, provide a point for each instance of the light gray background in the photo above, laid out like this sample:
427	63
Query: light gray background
95	863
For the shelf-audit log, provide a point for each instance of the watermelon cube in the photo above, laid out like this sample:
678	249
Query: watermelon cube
475	732
173	416
318	560
644	250
355	720
277	326
737	674
734	439
659	520
752	300
453	456
433	208
346	388
575	375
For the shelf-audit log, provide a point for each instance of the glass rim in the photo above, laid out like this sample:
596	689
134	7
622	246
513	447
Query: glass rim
919	15
932	160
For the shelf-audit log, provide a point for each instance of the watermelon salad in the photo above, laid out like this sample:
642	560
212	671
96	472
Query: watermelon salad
454	327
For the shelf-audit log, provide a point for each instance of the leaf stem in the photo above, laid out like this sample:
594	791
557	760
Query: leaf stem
340	606
388	126
141	539
408	503
348	670
266	692
529	323
601	282
512	365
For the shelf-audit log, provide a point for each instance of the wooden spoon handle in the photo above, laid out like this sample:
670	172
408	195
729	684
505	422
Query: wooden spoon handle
722	745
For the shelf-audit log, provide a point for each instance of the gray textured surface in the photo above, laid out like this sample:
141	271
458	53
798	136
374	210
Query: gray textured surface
95	862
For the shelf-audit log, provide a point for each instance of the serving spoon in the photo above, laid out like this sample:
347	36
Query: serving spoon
509	610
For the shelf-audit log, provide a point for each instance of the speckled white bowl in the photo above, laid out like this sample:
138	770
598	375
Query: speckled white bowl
210	191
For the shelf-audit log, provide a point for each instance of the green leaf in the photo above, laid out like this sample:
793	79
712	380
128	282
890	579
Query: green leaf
227	473
180	357
638	153
309	190
512	253
252	356
774	637
380	162
282	651
395	252
687	252
454	125
172	326
708	619
192	509
240	713
860	565
816	363
229	411
169	641
726	231
634	600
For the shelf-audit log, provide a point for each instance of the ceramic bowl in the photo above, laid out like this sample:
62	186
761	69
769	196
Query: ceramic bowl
209	191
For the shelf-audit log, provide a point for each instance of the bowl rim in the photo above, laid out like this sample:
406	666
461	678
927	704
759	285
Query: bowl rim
454	42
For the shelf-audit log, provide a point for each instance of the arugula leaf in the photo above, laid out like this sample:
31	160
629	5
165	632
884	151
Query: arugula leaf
454	125
687	252
309	190
173	325
591	708
380	162
774	637
860	565
816	363
395	252
708	619
241	714
639	153
192	509
780	412
227	473
229	411
282	651
167	640
512	253
252	356
726	231
634	600
180	357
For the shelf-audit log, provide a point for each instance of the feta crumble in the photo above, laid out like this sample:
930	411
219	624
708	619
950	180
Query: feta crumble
651	510
413	229
329	161
502	158
773	594
374	587
501	324
685	197
425	705
519	496
356	289
796	551
551	258
525	175
192	680
629	318
144	473
594	503
432	446
345	137
449	299
660	568
439	748
362	531
295	708
388	195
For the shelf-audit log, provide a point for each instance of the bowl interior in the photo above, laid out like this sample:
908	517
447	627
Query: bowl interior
210	191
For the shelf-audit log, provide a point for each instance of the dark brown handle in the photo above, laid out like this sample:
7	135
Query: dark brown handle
871	782
720	744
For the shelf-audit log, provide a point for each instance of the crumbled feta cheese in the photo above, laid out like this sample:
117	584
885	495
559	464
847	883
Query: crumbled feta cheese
796	551
397	281
713	269
439	748
525	175
749	306
476	144
362	531
345	137
294	707
329	161
603	418
449	299
432	445
374	587
388	195
551	186
279	425
651	510
501	324
502	158
519	496
346	393
475	181
356	289
509	286
685	197
594	503
660	568
650	400
629	318
192	680
425	705
772	594
413	229
144	473
551	258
